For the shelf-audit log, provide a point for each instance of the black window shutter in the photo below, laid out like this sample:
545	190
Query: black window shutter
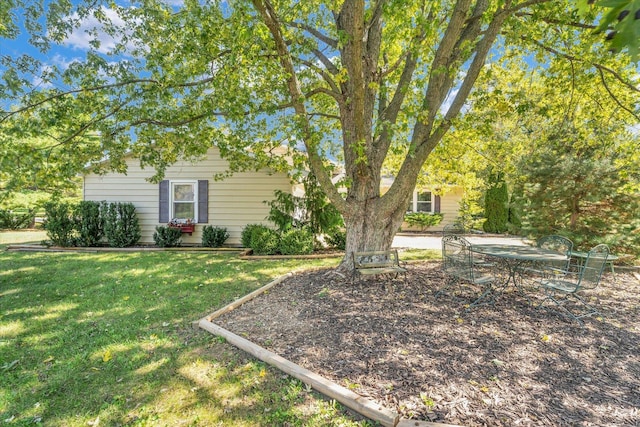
163	208
436	208
203	201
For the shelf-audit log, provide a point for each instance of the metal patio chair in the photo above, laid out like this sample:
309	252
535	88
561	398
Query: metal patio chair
564	289
459	265
555	243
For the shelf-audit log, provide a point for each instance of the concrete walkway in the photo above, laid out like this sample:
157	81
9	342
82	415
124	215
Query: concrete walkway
434	241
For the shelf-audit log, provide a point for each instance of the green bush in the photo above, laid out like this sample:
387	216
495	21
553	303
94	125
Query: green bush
264	241
121	225
247	232
90	222
167	237
496	205
337	238
296	242
214	237
59	223
422	219
16	219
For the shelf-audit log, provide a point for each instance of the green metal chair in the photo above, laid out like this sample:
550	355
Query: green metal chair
554	243
563	289
453	229
459	265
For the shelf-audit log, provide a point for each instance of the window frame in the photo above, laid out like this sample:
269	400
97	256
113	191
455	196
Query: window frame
172	201
415	201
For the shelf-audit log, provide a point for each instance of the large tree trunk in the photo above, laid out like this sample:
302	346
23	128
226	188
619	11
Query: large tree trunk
370	228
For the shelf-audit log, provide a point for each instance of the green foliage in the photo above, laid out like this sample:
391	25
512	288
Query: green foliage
585	191
167	237
90	222
283	209
621	22
16	219
121	226
496	205
60	223
320	215
296	242
247	233
422	219
385	101
337	238
214	237
264	241
312	211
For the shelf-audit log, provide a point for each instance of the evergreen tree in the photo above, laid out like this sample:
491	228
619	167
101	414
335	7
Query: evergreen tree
496	205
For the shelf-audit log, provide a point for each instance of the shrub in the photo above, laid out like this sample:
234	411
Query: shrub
247	232
296	242
214	237
121	225
59	223
16	219
337	238
422	220
167	237
90	223
264	241
496	205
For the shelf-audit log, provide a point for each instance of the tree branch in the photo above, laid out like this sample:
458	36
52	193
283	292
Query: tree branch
326	77
615	98
574	58
270	19
314	32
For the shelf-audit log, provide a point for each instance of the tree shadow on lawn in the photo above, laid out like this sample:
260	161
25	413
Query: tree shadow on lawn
107	339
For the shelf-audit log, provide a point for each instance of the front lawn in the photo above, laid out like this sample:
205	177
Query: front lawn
107	339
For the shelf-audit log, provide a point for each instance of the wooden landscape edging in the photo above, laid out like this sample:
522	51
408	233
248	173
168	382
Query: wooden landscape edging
360	404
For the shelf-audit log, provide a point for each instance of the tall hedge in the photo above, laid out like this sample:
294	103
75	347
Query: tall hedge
121	225
90	222
496	205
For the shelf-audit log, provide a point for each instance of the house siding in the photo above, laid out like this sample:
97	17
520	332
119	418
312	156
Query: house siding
233	202
449	208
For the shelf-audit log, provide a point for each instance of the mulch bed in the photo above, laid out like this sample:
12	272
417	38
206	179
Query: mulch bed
430	359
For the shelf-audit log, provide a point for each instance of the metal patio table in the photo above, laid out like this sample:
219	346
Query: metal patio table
511	258
580	257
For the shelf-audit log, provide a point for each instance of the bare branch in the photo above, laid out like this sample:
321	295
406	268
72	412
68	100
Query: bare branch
326	77
314	32
7	114
615	98
557	21
325	61
595	65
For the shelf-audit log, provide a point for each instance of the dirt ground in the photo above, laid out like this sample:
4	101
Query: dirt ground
507	364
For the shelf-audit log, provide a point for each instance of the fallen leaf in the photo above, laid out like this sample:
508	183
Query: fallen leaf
49	359
107	356
545	338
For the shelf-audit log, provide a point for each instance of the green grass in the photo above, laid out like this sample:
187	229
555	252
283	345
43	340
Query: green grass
107	338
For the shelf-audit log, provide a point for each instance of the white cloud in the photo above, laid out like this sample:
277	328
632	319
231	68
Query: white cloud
92	29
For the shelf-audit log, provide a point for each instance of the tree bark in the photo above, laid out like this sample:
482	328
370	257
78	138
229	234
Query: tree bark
371	226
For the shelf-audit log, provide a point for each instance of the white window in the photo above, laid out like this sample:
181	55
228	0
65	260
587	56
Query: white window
421	202
184	200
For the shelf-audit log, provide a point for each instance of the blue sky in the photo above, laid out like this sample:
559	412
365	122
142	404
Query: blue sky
74	47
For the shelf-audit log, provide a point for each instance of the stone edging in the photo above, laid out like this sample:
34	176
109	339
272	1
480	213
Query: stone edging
355	402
